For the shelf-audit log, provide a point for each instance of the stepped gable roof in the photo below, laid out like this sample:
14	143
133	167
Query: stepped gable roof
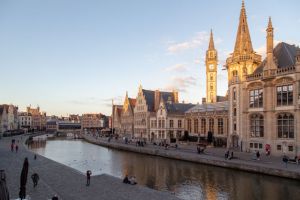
178	108
209	107
132	102
284	55
2	107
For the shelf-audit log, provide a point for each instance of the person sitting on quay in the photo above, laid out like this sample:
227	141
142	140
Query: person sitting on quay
132	180
126	179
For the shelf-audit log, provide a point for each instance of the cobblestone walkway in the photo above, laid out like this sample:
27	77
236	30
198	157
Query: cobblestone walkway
66	182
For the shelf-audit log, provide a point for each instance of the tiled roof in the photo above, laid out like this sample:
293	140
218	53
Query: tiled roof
284	55
149	95
208	107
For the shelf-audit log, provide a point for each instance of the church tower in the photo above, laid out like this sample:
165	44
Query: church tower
211	63
241	63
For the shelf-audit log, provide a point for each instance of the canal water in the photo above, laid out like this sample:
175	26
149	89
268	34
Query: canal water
185	180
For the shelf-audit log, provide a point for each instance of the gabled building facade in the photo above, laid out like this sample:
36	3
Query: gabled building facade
167	123
147	103
127	116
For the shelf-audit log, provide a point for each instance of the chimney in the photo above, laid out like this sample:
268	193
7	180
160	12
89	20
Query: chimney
156	99
175	94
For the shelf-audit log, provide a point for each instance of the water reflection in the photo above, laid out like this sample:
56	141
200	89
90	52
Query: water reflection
185	180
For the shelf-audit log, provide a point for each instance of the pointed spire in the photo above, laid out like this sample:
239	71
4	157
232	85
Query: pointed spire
243	42
211	45
270	23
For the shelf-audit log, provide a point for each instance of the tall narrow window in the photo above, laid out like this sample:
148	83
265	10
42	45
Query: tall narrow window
256	98
189	125
179	123
285	95
257	125
203	125
234	94
285	126
220	126
196	125
211	125
171	123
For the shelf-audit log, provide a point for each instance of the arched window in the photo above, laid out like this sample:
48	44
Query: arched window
234	94
256	125
285	125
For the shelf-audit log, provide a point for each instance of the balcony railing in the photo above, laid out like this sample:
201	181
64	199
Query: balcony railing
271	73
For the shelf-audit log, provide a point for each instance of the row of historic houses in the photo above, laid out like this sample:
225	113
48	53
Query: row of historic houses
260	111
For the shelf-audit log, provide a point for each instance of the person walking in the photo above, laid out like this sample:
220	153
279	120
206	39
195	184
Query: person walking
55	197
35	178
88	177
12	147
257	155
17	148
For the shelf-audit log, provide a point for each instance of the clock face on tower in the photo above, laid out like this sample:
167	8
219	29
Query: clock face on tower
211	66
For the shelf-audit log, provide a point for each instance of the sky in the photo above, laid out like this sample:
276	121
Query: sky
75	56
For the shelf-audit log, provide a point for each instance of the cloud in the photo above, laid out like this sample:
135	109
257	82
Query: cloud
180	83
199	39
117	100
85	101
177	68
262	49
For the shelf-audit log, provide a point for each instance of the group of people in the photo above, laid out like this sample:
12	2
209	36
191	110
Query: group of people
140	143
14	145
228	155
130	180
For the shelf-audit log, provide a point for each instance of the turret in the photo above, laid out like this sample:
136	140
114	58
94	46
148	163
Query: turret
269	46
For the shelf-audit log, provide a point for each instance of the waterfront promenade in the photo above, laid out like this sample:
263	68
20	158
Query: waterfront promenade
65	182
269	165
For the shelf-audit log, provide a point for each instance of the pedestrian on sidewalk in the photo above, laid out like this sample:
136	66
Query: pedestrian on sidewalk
17	148
285	159
54	197
257	155
35	178
88	177
34	156
226	154
12	147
